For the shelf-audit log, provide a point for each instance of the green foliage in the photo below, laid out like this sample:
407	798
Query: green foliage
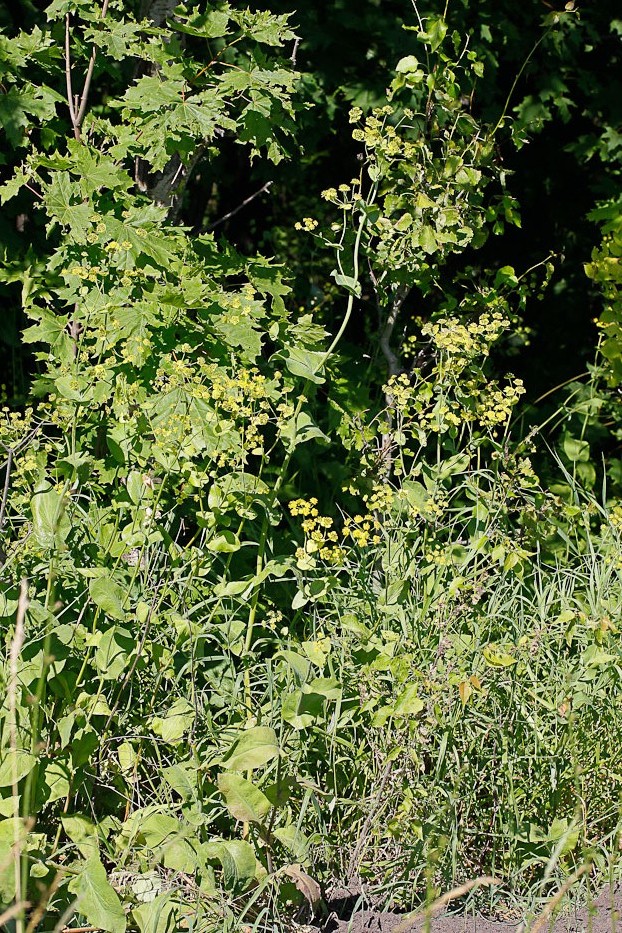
604	270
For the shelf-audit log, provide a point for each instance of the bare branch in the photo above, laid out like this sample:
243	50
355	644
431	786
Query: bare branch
393	362
393	369
235	210
89	76
72	111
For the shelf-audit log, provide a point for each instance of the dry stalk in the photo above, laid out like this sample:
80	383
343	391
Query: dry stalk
11	912
38	913
544	917
436	906
15	651
353	865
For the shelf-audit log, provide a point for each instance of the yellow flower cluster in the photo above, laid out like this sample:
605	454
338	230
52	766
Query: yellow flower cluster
307	223
381	137
466	341
320	538
496	404
14	426
274	619
400	392
380	499
615	516
362	529
456	392
332	194
439	556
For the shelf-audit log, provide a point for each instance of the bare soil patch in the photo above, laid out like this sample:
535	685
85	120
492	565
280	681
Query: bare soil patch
603	915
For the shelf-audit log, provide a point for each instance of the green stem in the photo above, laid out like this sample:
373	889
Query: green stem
248	640
37	706
355	276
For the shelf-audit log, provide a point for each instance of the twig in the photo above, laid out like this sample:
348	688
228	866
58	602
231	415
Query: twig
80	929
13	911
89	75
72	111
295	51
235	210
77	110
441	902
360	843
393	362
36	193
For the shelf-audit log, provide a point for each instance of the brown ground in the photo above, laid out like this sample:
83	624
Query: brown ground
603	916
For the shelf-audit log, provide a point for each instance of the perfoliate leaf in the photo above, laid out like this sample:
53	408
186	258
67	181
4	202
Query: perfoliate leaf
113	651
182	777
57	777
254	748
305	363
435	32
15	764
237	858
496	656
176	723
407	64
50	522
244	801
96	898
224	543
294	841
351	284
299	429
408	702
109	596
83	833
575	449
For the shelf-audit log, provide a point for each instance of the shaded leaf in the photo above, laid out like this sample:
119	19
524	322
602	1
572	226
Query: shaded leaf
109	596
306	885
